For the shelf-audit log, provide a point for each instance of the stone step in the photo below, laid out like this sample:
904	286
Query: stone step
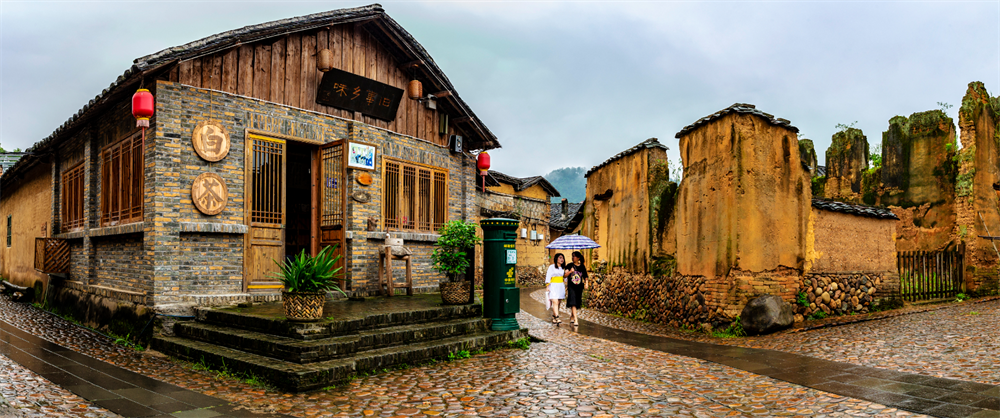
308	351
332	327
296	377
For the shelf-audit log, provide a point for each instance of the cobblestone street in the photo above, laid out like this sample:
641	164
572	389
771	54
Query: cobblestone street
568	374
949	340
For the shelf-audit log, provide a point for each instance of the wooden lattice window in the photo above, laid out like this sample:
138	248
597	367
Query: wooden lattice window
415	197
121	182
72	198
267	204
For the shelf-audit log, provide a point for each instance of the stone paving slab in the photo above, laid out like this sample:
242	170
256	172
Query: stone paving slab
24	393
569	375
925	394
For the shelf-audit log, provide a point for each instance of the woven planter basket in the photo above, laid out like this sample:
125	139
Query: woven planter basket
303	306
455	293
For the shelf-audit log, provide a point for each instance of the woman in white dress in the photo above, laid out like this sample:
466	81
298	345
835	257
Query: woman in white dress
555	286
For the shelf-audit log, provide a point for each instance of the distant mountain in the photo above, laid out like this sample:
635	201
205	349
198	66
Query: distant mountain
570	183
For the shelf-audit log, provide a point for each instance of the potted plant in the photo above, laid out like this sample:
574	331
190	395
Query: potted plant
450	259
307	279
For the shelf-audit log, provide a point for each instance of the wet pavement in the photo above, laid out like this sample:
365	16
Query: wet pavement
121	391
569	375
24	393
910	391
946	340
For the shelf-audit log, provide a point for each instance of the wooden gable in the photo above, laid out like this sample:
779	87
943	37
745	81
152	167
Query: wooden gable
283	70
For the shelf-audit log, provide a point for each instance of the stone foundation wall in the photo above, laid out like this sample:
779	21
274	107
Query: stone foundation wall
844	293
674	301
109	310
693	301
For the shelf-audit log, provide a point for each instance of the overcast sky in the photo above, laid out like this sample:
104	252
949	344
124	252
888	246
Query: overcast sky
562	83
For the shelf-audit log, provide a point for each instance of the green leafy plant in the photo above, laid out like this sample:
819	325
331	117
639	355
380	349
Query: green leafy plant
459	355
735	330
802	299
817	315
305	273
522	343
876	157
450	255
961	297
973	313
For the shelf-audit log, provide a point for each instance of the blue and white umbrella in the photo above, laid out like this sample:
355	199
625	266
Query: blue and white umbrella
572	242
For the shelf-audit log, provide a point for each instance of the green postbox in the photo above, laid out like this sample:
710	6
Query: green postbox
501	297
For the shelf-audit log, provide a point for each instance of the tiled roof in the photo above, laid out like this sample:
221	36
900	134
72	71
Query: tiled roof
820	171
556	219
859	210
743	108
495	178
386	30
649	143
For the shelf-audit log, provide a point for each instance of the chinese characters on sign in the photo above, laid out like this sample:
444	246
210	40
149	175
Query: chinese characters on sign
209	193
352	92
211	141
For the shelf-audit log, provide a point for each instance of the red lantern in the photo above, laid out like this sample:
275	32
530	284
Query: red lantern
142	107
483	164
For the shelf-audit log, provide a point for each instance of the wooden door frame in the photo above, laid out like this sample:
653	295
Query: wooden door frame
318	182
248	193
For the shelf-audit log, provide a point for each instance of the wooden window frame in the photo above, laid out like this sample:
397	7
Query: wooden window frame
72	198
414	196
122	205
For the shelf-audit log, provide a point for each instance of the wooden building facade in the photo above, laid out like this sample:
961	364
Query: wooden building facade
243	164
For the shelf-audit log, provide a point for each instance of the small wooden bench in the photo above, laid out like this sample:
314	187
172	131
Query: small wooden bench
385	258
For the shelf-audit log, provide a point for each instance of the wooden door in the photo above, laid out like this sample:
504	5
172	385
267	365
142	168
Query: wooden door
333	200
265	213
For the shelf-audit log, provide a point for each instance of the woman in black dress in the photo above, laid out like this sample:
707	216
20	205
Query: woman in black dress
576	275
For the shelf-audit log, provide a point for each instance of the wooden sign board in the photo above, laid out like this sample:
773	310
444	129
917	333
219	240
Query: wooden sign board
211	141
365	179
344	90
209	193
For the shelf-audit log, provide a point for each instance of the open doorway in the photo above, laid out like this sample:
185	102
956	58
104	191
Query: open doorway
298	198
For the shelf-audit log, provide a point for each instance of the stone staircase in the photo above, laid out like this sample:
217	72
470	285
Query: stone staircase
296	356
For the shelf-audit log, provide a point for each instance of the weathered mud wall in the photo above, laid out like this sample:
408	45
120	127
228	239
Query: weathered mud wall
807	155
846	160
30	209
744	199
840	242
917	179
626	199
976	206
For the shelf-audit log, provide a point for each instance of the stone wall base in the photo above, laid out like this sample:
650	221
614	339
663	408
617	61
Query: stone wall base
844	293
107	310
695	300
